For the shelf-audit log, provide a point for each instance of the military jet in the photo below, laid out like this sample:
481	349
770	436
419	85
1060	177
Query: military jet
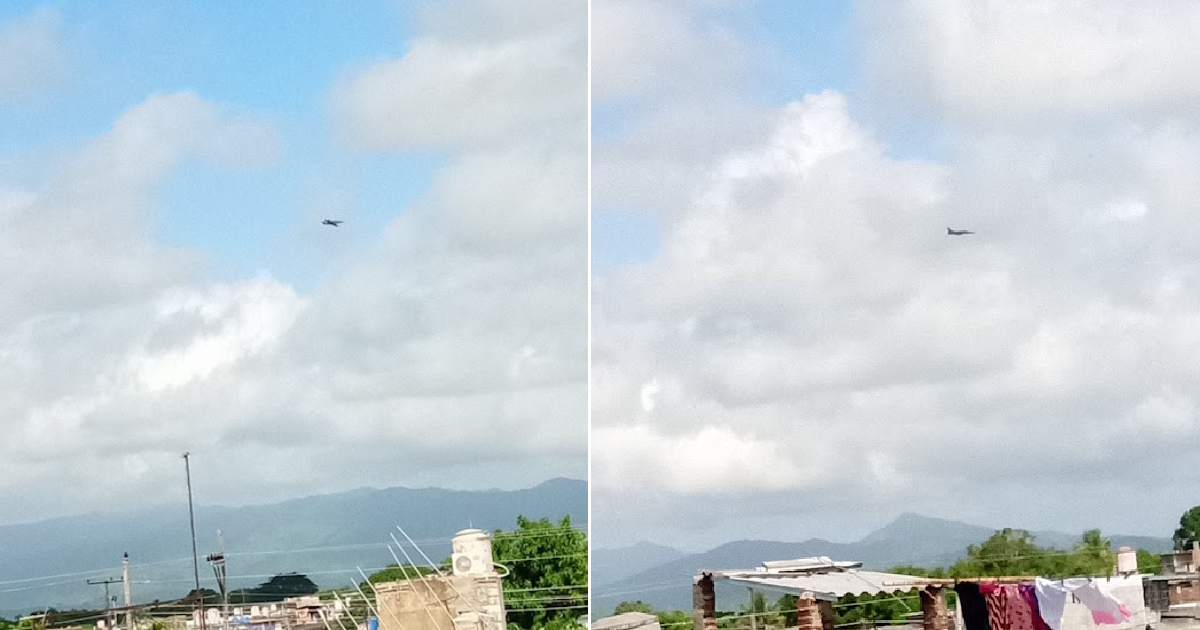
332	222
950	232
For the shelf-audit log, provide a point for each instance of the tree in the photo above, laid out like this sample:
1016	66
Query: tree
275	589
1008	552
394	573
546	588
638	606
1149	562
1189	529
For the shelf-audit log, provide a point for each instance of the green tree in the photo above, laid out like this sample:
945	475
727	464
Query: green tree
637	606
1149	562
1189	529
1093	554
1008	552
546	588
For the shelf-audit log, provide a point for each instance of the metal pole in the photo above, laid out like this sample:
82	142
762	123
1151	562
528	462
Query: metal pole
195	555
128	593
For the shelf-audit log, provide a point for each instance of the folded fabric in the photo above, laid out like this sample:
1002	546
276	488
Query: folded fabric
974	608
1029	595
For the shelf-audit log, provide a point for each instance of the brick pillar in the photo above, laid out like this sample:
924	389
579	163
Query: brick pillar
827	615
704	603
808	614
935	615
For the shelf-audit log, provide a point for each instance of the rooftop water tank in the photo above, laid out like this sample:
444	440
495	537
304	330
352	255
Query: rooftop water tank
471	553
1126	560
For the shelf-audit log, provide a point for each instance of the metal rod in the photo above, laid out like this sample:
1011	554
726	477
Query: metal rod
195	555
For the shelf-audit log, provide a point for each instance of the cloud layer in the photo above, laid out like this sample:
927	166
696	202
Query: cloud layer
450	352
809	344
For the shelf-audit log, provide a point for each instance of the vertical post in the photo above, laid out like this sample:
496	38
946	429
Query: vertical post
828	616
753	612
195	555
704	603
808	614
934	614
128	593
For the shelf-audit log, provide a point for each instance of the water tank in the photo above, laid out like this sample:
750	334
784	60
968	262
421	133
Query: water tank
471	553
1126	560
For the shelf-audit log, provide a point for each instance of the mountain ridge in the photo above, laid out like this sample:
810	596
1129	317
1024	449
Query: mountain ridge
909	539
325	536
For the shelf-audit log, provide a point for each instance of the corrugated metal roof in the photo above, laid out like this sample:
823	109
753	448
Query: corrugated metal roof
830	585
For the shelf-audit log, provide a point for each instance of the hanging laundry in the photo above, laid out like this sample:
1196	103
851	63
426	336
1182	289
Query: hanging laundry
1029	595
974	608
1052	598
997	611
1105	608
1020	614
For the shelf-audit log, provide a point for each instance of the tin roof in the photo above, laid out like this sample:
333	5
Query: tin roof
825	585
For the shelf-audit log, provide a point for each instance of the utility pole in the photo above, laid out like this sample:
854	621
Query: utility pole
128	594
107	600
195	555
218	563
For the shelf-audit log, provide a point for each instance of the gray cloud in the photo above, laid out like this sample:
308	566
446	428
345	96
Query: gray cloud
809	346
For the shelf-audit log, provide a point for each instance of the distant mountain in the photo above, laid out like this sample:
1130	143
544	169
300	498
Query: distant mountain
611	565
325	537
911	539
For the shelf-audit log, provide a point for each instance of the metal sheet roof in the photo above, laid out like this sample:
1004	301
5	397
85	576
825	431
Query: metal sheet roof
829	586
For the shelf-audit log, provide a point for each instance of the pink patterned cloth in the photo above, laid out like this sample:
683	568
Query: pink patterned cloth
999	615
1020	614
1029	595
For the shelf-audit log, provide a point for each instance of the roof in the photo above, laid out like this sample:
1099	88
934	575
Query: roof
828	585
625	620
820	577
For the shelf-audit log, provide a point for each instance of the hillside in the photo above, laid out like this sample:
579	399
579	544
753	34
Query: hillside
910	539
325	537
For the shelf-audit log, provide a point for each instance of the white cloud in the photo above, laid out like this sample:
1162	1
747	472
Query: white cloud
462	88
33	54
451	351
805	294
711	459
1011	61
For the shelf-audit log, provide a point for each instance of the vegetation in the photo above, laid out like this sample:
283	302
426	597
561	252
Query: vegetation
1007	552
546	588
1189	529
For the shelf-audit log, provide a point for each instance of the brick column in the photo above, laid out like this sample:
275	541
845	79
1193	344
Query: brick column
704	603
935	615
828	617
808	614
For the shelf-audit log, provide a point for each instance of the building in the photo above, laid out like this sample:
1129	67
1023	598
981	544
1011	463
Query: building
819	582
628	621
470	598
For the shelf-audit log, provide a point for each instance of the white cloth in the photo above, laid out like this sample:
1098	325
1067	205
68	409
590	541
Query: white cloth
1052	601
1105	608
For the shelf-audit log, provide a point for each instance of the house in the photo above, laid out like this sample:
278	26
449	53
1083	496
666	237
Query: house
628	621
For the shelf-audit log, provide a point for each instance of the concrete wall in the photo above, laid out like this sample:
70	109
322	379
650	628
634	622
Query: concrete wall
416	605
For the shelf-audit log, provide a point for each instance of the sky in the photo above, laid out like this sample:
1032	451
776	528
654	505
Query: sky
787	344
169	287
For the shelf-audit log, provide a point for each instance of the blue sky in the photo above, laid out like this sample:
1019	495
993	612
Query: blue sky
272	60
797	48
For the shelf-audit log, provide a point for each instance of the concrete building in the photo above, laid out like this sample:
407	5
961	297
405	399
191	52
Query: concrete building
818	583
628	621
470	598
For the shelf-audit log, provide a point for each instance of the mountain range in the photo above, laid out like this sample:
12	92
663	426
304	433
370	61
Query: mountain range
325	537
662	576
